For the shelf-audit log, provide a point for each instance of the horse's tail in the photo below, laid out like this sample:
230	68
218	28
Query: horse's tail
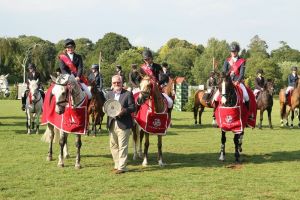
47	135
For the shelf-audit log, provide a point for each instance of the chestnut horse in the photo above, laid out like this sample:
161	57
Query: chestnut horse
265	102
200	104
148	87
294	106
95	108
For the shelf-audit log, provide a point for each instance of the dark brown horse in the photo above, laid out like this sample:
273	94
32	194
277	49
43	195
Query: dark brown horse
200	104
265	102
295	106
229	99
148	87
95	110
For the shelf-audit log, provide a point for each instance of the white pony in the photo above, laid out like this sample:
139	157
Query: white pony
34	104
67	93
4	85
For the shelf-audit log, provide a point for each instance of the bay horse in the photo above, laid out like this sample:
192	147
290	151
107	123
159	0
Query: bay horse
95	108
33	107
4	85
265	102
200	104
149	90
66	92
229	99
292	107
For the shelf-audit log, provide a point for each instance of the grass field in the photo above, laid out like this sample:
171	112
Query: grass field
270	166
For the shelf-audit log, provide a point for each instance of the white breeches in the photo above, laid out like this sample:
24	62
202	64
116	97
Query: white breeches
288	89
86	90
245	93
169	100
256	91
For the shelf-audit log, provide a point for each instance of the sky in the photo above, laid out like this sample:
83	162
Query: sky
152	23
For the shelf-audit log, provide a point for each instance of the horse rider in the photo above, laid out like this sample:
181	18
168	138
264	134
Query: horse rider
71	63
120	72
33	74
98	78
134	79
211	85
155	71
292	81
58	71
259	83
165	75
235	66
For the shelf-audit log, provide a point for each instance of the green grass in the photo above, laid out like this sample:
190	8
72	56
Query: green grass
270	164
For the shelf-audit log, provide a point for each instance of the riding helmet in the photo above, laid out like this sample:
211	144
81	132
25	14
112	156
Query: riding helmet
31	66
260	71
294	68
164	64
234	47
147	54
69	43
95	66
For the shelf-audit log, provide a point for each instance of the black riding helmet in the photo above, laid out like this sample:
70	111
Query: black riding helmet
260	71
134	66
31	66
147	54
69	43
294	68
234	47
95	66
164	64
119	67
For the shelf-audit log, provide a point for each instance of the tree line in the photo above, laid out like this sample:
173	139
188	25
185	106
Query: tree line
184	58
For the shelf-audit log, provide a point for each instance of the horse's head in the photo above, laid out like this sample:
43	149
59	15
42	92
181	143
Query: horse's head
269	86
4	85
61	92
34	90
146	85
227	90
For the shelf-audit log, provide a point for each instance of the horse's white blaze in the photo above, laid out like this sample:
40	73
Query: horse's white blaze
223	99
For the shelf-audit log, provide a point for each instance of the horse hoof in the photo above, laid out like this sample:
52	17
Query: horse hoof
67	156
222	158
271	127
161	164
49	158
77	166
145	163
60	165
134	157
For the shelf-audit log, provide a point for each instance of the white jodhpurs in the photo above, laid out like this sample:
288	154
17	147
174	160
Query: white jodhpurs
288	89
169	100
245	93
86	90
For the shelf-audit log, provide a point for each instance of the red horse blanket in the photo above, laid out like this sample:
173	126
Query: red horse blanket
236	118
150	121
73	120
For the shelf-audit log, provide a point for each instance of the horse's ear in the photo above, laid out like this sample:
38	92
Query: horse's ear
6	75
53	78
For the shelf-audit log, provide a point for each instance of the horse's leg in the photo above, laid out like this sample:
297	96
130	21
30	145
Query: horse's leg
51	129
134	139
200	113
195	109
223	141
145	161
28	124
241	141
282	113
269	117
62	142
66	151
78	146
140	136
214	117
236	147
292	118
159	147
37	123
261	117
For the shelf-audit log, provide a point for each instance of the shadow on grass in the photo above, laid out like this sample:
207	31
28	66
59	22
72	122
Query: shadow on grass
13	117
192	126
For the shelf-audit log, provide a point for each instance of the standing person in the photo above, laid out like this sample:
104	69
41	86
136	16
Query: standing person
71	63
119	127
155	71
235	66
120	72
134	79
97	77
292	80
259	83
165	75
33	74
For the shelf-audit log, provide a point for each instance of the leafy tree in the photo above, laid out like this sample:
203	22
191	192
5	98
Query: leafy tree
111	46
204	64
285	53
258	47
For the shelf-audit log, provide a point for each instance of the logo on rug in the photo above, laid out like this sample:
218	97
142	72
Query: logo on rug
156	122
228	119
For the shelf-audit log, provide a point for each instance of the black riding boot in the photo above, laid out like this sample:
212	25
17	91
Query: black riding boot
247	105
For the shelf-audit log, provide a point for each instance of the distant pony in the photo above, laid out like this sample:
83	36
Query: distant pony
33	107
